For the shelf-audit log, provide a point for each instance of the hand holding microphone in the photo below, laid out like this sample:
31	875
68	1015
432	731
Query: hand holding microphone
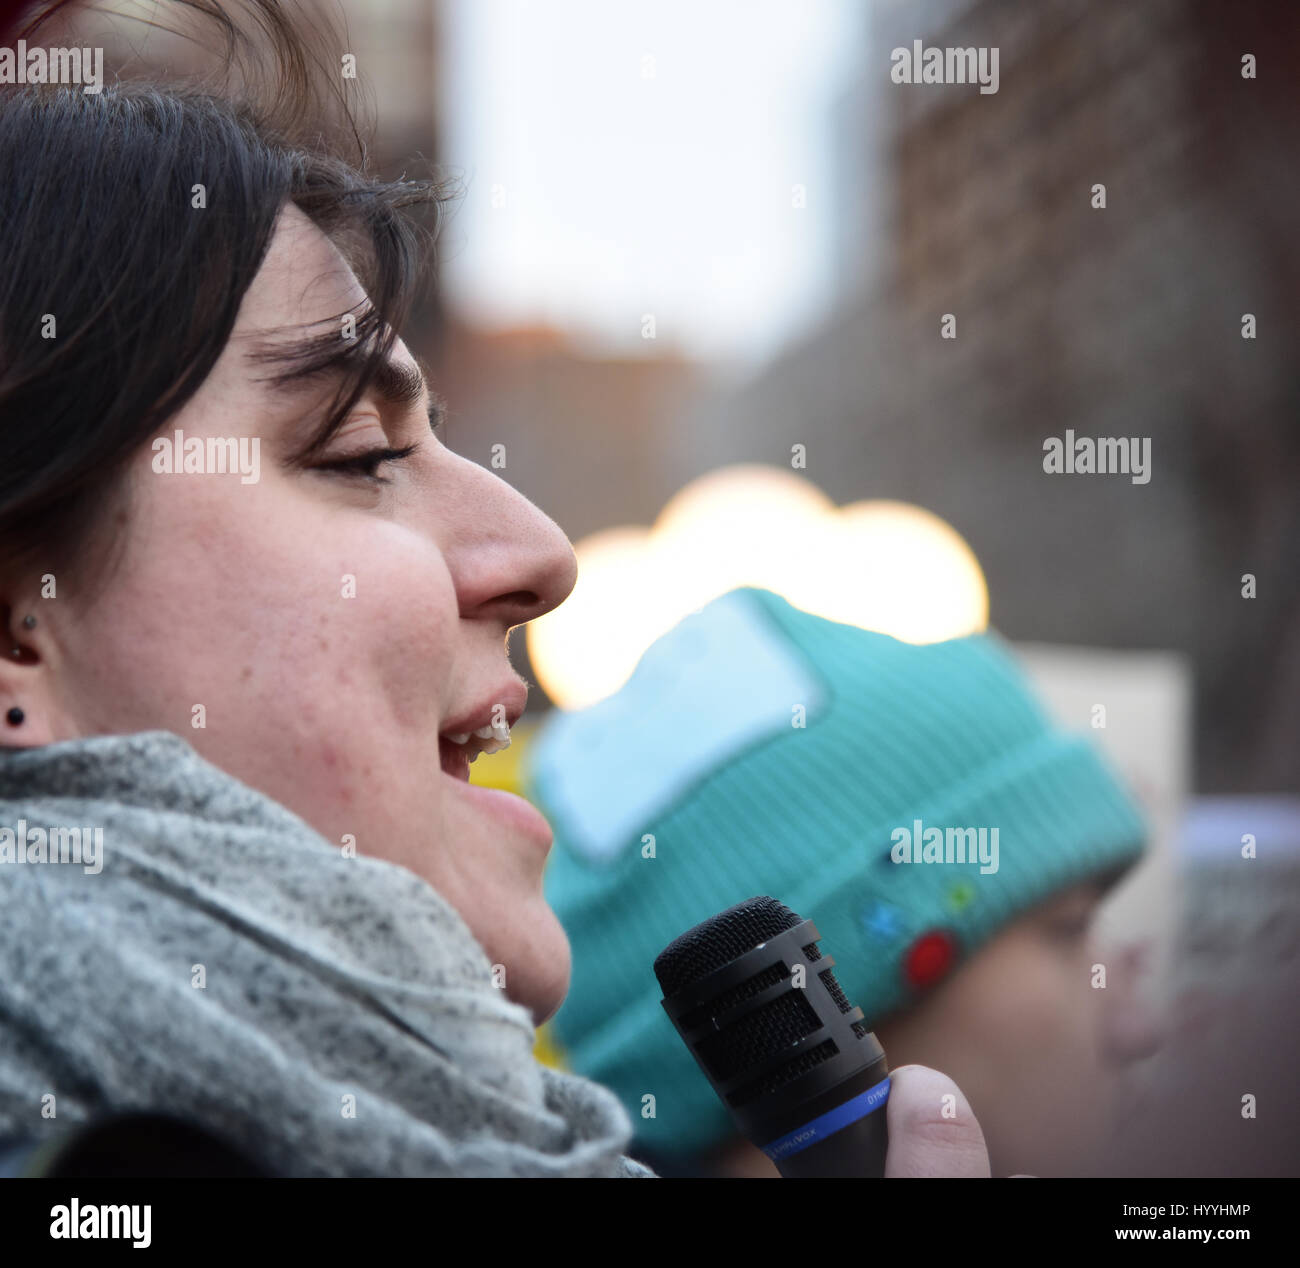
757	1003
925	1140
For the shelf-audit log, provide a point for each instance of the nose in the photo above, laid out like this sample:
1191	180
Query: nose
510	562
1132	1028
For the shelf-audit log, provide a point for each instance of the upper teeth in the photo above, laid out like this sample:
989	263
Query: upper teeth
495	737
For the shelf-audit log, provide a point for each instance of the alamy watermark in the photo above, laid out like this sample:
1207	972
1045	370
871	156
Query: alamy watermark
919	844
131	1222
25	845
919	65
39	65
1105	455
211	455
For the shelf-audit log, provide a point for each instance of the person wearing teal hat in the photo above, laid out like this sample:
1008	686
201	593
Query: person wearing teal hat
914	801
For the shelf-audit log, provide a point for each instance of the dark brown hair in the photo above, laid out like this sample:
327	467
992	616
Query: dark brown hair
98	231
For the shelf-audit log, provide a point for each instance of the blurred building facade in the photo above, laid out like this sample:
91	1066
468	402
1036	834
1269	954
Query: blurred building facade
398	48
1122	321
579	433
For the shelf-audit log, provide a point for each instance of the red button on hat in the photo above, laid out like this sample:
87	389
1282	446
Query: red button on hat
929	958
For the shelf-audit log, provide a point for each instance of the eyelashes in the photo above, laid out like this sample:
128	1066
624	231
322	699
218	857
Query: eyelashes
366	465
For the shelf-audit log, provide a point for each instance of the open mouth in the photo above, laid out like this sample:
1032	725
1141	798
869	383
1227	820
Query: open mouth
459	752
455	760
460	744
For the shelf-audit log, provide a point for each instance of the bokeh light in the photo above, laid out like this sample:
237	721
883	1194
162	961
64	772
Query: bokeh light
885	566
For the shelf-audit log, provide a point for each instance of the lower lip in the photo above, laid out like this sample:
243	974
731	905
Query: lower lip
509	809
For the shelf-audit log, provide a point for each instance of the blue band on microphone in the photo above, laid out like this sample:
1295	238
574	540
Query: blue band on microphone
829	1123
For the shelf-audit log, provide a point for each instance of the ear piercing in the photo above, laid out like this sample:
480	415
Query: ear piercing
15	715
29	623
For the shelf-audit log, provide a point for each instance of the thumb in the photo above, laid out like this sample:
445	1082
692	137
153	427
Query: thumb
932	1129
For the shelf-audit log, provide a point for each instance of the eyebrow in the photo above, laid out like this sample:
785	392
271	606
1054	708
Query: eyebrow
393	382
397	383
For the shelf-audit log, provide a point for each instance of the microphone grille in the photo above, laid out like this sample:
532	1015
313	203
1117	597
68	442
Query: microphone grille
719	940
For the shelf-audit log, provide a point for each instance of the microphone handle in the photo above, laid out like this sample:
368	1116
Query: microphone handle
855	1149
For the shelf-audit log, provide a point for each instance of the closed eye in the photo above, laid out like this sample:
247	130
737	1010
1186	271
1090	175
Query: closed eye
366	465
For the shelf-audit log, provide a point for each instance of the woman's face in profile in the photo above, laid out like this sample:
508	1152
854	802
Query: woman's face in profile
326	625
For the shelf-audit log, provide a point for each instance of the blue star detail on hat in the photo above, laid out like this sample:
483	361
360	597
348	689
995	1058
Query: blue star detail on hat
882	922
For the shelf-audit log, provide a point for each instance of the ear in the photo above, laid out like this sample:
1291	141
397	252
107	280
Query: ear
26	712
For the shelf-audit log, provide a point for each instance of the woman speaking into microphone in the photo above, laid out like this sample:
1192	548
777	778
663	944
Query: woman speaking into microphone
254	615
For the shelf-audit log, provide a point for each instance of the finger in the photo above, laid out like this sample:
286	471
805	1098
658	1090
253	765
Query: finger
932	1129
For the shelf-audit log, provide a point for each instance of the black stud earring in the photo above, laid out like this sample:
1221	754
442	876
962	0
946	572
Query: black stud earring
15	716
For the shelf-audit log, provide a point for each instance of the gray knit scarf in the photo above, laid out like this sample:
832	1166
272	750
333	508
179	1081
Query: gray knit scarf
217	959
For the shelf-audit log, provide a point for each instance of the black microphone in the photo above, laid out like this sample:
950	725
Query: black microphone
757	1003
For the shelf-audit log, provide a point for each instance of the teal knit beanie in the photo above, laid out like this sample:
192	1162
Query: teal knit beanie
910	800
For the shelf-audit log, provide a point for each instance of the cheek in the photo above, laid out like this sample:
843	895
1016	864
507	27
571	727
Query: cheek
214	601
305	645
1021	1036
1019	1016
1050	1007
285	617
410	628
1052	1072
183	615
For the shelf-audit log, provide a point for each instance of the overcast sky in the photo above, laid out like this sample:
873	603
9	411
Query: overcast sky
642	156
